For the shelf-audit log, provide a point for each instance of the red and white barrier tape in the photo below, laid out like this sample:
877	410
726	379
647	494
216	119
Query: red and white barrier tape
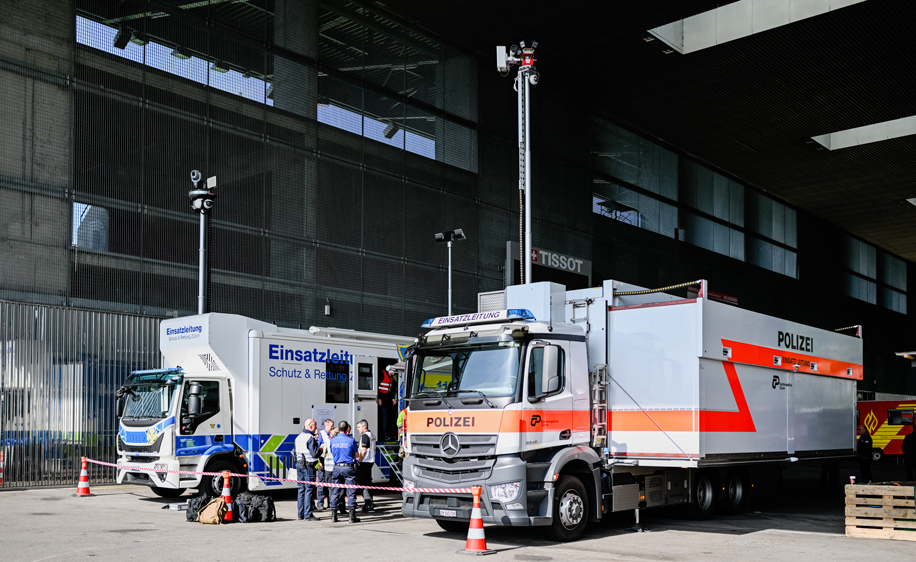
326	484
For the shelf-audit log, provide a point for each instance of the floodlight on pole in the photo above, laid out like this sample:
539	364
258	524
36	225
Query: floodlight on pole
202	202
528	76
450	236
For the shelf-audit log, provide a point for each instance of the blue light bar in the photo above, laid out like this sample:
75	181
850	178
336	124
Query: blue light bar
479	317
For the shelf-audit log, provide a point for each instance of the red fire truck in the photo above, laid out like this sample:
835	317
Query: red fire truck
888	422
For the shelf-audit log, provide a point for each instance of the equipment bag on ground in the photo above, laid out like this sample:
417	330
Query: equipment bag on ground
195	504
213	512
256	507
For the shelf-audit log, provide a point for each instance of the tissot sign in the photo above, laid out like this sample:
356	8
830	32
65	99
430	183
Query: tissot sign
550	259
556	261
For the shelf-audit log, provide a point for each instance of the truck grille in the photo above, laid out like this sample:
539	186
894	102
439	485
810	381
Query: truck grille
471	446
473	461
154	448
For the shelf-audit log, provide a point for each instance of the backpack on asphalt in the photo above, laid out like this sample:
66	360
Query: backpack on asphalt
213	512
195	504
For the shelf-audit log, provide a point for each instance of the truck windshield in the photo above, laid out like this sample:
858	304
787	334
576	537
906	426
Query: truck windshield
491	369
147	402
149	394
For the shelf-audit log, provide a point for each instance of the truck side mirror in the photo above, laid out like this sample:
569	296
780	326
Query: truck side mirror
194	399
543	372
120	407
551	370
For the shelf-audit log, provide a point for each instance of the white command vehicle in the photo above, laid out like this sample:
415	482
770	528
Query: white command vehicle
237	397
574	404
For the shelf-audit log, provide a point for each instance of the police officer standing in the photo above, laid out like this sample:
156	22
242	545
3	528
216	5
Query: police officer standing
344	451
307	455
367	444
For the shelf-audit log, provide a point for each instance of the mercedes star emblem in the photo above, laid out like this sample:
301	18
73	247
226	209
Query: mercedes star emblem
449	444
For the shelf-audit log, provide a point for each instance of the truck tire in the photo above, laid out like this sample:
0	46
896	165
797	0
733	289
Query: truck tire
213	485
877	455
570	510
736	492
168	492
702	496
452	526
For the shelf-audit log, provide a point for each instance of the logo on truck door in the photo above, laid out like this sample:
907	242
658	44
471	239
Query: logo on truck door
449	444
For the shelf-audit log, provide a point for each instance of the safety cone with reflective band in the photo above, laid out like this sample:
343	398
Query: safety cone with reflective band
1	468
477	543
227	496
82	489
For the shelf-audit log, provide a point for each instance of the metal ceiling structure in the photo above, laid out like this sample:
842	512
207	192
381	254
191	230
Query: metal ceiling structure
749	106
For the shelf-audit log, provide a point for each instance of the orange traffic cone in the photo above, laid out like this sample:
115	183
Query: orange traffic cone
477	543
82	489
227	496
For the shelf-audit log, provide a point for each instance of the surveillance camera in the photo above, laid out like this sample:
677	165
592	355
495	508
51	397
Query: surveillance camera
534	78
195	176
208	203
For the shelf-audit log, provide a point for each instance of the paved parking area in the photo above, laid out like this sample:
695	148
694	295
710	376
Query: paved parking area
795	522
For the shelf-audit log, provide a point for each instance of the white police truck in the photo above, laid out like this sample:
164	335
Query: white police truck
234	396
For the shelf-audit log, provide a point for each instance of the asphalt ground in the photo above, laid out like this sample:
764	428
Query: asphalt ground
790	518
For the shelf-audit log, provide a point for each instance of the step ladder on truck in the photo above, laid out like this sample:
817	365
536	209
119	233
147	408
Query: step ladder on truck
565	406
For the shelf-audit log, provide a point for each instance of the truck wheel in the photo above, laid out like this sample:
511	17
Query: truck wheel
168	492
877	455
570	510
736	492
451	526
213	485
703	497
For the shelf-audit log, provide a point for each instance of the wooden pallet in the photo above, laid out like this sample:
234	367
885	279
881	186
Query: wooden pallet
881	511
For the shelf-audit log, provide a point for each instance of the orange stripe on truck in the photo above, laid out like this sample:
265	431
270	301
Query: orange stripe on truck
690	420
497	421
536	421
787	360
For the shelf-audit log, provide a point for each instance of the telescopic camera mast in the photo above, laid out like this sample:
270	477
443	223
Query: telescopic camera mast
527	76
202	202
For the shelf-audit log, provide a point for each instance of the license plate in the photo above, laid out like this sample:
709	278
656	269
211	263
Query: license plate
448	513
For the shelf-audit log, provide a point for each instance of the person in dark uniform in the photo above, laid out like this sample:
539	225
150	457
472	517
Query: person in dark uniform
307	455
909	455
345	452
863	451
367	443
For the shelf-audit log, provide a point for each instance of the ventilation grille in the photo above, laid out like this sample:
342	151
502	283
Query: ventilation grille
209	362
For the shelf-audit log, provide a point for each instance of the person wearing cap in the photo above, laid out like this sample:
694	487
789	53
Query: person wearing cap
345	453
307	455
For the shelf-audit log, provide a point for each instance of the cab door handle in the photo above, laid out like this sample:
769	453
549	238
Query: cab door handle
565	434
218	439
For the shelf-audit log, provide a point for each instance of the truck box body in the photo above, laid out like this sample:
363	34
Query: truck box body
261	384
712	383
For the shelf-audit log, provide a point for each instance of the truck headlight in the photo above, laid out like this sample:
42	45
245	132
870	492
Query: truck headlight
505	492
